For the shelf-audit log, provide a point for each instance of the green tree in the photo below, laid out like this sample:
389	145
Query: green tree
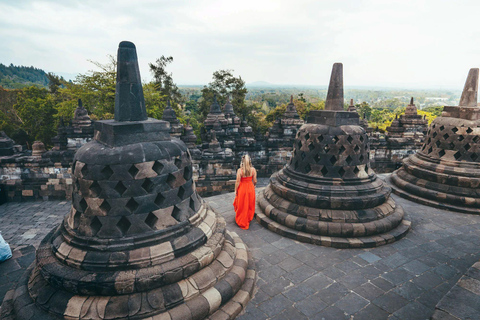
225	84
164	80
35	109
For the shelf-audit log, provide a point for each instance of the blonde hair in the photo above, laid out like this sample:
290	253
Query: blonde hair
246	165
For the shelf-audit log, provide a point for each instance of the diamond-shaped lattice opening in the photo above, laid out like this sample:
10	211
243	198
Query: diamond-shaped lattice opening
132	205
324	171
105	206
151	220
316	158
457	155
76	219
341	171
299	144
469	130
335	139
442	128
148	185
461	138
171	179
177	214
95	188
350	139
84	170
120	188
95	225
451	145
307	136
123	225
133	171
437	143
433	126
424	146
107	172
356	170
341	150
157	167
178	162
308	168
333	159
430	150
446	136
187	173
455	129
361	139
429	140
326	149
311	146
467	147
181	192
361	158
83	205
356	149
302	155
159	200
349	160
320	138
476	139
434	134
474	157
192	204
441	153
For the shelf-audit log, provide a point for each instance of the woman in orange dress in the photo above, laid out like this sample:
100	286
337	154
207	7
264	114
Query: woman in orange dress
244	203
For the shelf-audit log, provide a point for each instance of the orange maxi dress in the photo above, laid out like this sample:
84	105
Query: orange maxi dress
244	203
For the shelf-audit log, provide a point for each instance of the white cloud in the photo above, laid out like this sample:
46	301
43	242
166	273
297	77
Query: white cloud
391	43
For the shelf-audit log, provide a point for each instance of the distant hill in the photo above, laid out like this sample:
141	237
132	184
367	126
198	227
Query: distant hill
16	77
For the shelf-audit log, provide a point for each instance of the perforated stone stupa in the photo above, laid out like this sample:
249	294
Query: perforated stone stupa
138	243
327	194
445	173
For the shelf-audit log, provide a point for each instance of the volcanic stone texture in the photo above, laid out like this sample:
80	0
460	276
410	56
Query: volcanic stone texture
138	242
328	194
446	172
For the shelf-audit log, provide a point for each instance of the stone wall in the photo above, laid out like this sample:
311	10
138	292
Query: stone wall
35	179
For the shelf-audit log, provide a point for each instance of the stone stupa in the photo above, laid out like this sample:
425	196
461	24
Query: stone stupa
138	242
328	194
445	173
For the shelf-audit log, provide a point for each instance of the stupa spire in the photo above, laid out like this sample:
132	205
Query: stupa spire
470	90
129	100
334	100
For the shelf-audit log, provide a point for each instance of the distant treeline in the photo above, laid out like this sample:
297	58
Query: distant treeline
17	77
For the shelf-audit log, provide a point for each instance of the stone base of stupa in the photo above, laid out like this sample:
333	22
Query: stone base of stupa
448	186
215	281
383	224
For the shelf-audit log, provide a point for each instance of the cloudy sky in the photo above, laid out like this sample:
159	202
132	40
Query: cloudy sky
411	44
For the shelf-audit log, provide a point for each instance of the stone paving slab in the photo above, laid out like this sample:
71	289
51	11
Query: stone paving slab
403	280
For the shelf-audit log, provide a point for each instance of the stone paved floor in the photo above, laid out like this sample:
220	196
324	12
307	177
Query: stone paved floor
404	280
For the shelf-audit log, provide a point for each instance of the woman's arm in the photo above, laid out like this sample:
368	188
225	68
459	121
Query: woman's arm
237	182
254	177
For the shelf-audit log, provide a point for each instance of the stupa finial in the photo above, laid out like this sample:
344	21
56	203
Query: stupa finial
129	100
334	100
470	90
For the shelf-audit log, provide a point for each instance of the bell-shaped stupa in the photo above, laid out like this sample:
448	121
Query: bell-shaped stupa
445	173
138	243
328	194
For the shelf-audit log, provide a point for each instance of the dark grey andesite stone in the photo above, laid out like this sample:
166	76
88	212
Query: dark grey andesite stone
328	194
469	94
137	231
445	173
129	100
335	89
